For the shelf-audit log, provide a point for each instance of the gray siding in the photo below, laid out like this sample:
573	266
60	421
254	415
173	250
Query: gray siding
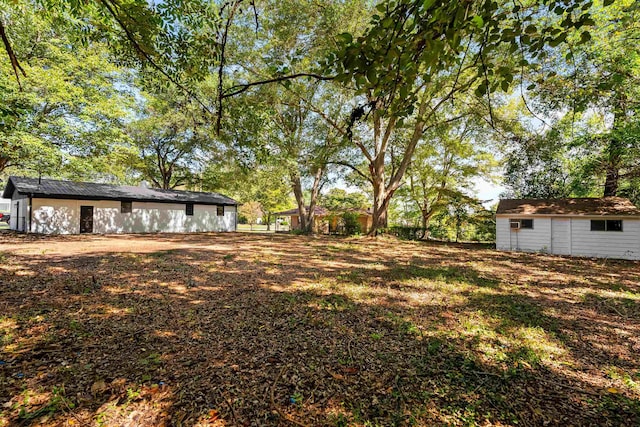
606	244
570	236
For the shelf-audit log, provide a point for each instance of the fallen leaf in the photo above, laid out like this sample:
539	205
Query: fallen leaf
98	387
213	414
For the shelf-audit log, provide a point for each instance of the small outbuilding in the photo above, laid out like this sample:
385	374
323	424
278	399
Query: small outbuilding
607	227
326	221
50	206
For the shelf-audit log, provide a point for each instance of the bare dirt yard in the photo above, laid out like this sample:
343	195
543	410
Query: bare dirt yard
250	329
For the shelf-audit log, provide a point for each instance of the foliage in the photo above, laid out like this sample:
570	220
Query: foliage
592	148
416	56
339	200
168	139
446	165
251	211
351	224
65	116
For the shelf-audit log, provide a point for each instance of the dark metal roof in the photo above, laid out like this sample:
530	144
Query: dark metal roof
575	206
57	189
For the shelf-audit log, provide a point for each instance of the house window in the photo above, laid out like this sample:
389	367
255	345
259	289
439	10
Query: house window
526	223
606	225
220	210
521	223
189	209
125	207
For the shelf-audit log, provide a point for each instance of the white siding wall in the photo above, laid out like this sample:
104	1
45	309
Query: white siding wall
61	216
581	240
19	219
606	244
503	235
529	240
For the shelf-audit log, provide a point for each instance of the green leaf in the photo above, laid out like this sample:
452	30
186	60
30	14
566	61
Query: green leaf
346	38
585	37
426	4
478	21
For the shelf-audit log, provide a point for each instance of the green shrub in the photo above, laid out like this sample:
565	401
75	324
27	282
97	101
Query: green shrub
351	224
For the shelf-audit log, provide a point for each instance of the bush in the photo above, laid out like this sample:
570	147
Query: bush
351	223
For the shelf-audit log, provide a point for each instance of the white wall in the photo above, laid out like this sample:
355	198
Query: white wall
19	218
606	244
531	240
580	240
62	216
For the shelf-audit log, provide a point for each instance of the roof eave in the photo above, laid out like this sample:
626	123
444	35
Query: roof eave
127	199
572	215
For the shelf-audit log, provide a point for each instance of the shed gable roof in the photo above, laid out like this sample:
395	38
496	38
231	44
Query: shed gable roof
614	206
51	188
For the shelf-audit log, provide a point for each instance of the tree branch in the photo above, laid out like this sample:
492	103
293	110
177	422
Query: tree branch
12	56
110	5
355	169
238	89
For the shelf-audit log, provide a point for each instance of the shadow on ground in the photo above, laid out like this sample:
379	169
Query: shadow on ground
268	329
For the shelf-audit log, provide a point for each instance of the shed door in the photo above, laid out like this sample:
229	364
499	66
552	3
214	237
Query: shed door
86	219
560	236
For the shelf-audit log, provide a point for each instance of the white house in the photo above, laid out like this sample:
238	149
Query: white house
607	227
63	207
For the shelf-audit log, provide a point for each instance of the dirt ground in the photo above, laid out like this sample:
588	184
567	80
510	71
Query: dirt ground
257	329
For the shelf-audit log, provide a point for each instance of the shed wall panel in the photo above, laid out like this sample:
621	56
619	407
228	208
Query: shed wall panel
606	244
537	239
571	236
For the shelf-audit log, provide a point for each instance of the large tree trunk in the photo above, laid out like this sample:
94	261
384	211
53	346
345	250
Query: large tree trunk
381	198
615	148
305	215
426	217
297	192
612	180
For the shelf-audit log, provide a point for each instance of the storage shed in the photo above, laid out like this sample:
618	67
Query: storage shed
607	227
64	207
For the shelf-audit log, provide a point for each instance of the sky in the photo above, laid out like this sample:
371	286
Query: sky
488	191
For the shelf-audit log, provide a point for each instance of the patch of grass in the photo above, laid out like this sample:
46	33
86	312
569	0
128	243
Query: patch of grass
336	302
54	404
449	275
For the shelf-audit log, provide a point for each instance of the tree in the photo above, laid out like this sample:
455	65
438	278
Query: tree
69	107
339	200
168	139
418	55
252	211
445	167
595	78
293	120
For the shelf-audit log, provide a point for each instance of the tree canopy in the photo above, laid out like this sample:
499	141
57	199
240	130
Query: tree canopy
279	102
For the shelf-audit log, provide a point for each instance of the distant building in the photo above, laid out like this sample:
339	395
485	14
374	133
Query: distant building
607	227
325	221
65	207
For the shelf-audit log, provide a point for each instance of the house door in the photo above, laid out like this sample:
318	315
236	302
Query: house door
86	219
560	236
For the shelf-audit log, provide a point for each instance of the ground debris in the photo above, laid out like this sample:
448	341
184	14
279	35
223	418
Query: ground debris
252	330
